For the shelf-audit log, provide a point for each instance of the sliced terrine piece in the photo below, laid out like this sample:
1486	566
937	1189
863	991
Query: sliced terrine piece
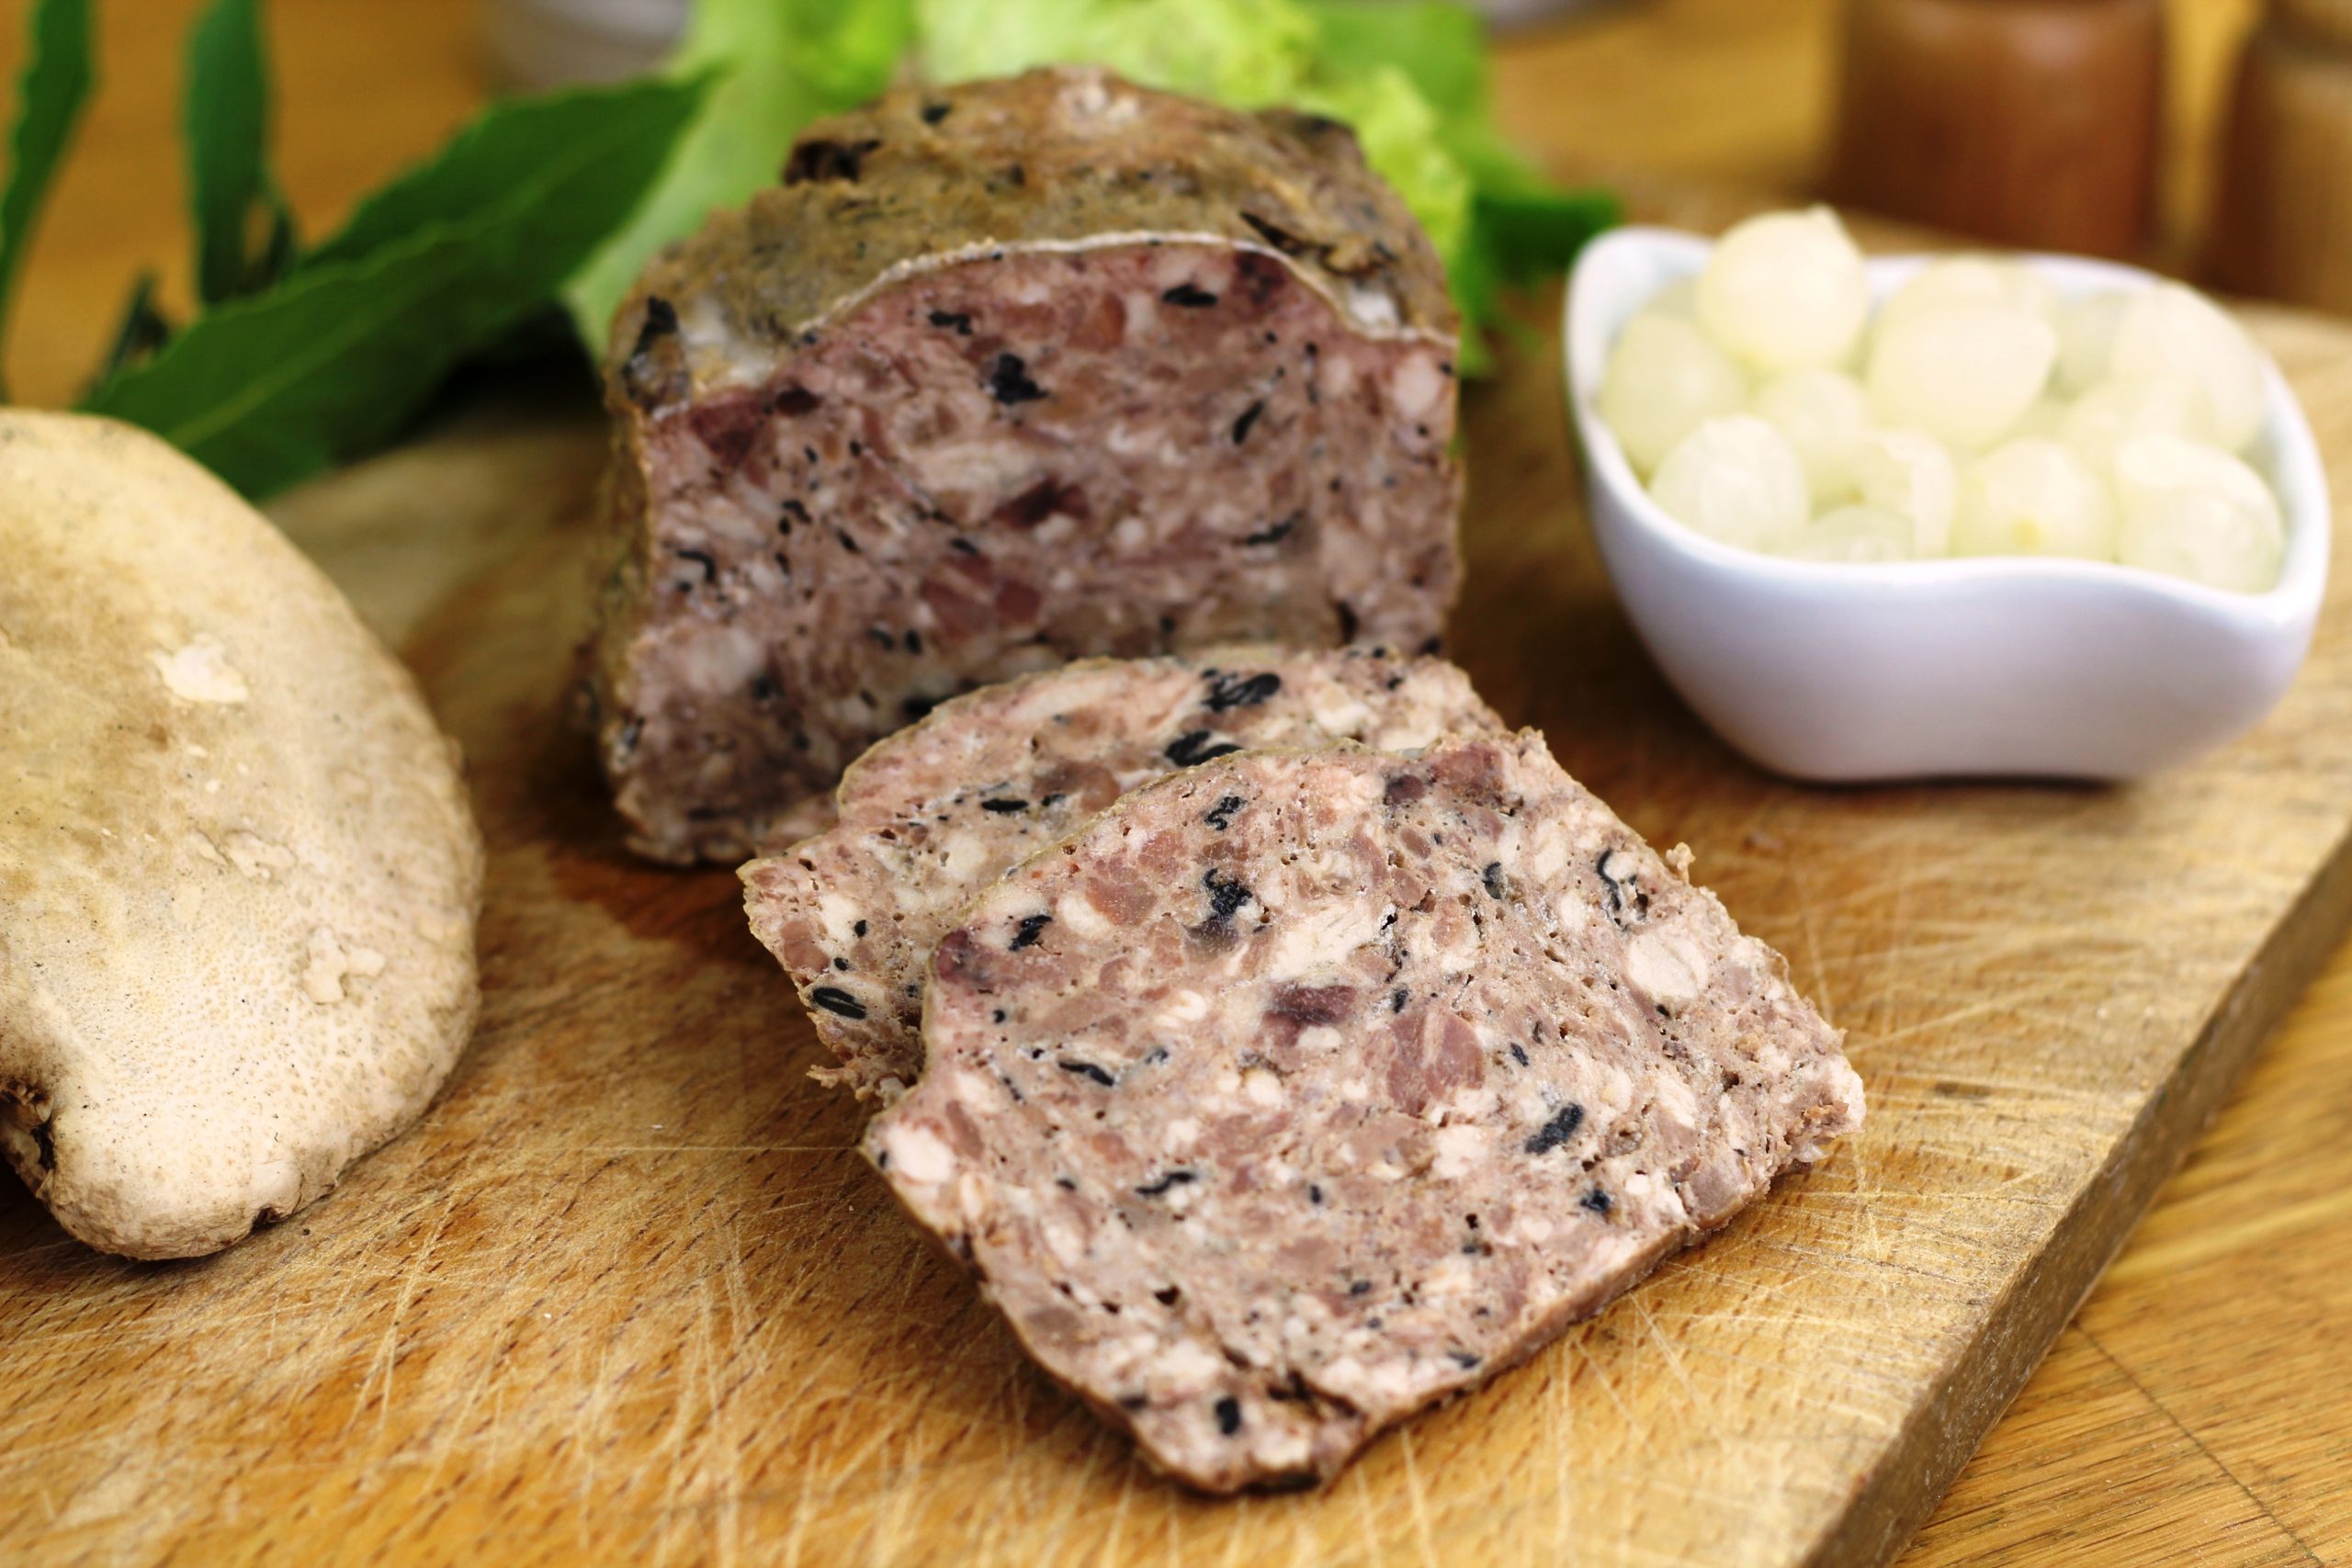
933	814
1297	1091
999	376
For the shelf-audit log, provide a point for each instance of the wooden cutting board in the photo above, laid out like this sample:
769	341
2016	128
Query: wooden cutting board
629	1296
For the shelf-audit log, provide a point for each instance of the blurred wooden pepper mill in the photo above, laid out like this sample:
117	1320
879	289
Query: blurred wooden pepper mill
2027	122
2282	214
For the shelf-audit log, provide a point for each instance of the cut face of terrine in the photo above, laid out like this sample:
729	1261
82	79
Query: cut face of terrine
1299	1090
933	814
1001	375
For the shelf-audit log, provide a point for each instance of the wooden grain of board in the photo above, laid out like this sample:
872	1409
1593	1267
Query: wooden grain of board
628	1294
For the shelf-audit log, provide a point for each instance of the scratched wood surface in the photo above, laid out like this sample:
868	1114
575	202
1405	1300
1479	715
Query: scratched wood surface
627	1294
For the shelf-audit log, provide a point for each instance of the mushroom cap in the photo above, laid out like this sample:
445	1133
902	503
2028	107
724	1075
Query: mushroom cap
239	867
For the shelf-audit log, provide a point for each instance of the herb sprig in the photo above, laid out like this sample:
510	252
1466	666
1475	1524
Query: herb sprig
303	358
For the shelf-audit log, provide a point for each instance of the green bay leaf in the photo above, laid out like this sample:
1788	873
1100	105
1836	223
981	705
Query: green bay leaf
337	358
494	160
226	120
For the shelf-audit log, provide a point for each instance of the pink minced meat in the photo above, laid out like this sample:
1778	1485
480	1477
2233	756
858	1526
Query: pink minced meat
1268	1124
1003	375
933	814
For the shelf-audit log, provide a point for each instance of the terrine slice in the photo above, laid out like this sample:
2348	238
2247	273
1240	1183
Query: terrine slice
933	814
1300	1090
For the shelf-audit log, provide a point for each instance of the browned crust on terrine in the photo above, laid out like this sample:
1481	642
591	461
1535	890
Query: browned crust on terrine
926	176
1264	1136
933	814
1003	375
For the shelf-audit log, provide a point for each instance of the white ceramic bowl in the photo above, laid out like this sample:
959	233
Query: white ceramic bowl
2000	666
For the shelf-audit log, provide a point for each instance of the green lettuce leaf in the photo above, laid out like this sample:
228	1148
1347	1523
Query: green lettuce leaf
269	388
50	95
1441	45
781	63
226	119
1249	52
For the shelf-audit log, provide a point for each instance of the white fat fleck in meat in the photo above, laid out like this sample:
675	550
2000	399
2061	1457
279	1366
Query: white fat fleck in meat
1476	1105
839	915
991	467
1460	1148
1319	934
966	857
1067	1245
1373	307
919	1154
1182	1007
1667	967
846	710
1391	1379
719	659
1337	376
1261	1087
1317	1040
1548	853
1077	912
1572	917
1153	441
1138	317
1341	712
1188	1369
982	1093
1418	386
1024	288
1449	1277
1130	533
1181	1135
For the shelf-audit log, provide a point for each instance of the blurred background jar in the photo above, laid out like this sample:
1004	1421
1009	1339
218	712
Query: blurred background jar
2032	123
545	43
2282	213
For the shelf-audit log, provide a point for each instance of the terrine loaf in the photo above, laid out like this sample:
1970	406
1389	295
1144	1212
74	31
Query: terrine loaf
935	813
999	376
1299	1090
